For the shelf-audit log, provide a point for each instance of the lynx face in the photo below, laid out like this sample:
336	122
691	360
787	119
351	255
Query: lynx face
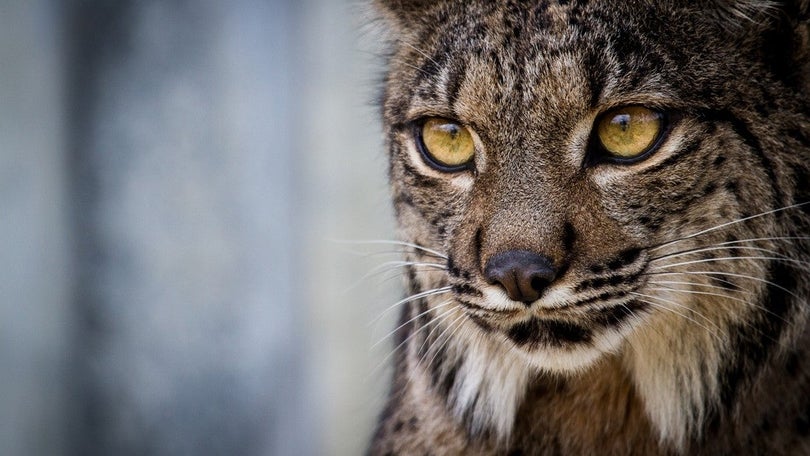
595	179
566	175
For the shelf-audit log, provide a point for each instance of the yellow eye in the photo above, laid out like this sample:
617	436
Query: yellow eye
630	131
447	144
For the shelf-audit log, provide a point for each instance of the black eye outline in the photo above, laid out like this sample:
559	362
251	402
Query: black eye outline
598	154
428	158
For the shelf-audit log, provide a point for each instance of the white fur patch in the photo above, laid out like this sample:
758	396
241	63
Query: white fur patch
493	378
672	359
674	362
490	385
496	299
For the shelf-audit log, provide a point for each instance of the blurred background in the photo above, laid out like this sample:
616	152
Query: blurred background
173	177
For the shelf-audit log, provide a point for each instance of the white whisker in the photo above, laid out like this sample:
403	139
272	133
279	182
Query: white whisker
719	247
419	51
709	330
696	284
772	238
430	309
394	242
401	62
433	322
424	294
729	274
704	293
755	305
398	274
364	254
391	266
804	265
733	222
441	343
428	337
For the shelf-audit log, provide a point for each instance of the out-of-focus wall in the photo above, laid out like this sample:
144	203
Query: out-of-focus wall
175	178
35	272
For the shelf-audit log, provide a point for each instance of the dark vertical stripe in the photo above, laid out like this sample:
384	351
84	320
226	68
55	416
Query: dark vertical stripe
456	79
595	69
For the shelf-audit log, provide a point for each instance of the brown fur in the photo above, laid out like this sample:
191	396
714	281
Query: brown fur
677	322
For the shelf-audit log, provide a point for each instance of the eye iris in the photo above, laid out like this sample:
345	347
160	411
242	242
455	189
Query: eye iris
447	142
629	132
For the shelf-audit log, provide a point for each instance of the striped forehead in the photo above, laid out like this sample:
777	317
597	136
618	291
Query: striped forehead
501	71
530	58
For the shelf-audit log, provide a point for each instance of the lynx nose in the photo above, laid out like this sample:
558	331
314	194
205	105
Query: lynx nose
523	274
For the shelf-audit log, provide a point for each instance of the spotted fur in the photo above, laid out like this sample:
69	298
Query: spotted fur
677	321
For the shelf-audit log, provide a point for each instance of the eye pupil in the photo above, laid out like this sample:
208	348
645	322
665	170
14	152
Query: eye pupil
623	121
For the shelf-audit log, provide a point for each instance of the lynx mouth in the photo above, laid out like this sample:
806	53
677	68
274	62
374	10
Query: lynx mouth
588	308
564	321
538	332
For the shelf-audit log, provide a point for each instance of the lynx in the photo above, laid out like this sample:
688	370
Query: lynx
604	206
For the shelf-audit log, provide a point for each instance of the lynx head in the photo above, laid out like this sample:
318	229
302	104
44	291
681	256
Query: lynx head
602	179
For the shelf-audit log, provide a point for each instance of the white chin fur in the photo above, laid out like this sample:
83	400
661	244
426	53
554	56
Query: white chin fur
575	359
490	385
494	376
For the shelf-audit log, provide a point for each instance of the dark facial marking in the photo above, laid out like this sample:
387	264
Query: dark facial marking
464	289
616	315
624	258
569	237
536	333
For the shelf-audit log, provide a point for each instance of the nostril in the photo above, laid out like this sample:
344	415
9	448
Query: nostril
524	275
539	284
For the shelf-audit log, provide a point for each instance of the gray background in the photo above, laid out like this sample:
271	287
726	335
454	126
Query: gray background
173	175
